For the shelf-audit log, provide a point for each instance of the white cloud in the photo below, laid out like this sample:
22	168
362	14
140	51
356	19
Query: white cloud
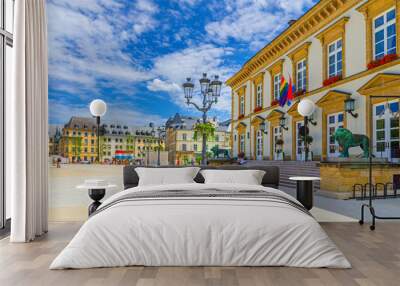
87	40
187	2
160	85
118	112
191	62
255	21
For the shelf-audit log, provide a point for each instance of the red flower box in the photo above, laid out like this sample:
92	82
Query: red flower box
332	80
241	116
258	108
299	93
386	59
274	102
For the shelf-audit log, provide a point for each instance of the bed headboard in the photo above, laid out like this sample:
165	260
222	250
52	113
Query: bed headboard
270	179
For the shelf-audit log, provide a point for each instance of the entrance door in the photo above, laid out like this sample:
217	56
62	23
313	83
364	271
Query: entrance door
335	121
259	145
278	143
386	141
300	154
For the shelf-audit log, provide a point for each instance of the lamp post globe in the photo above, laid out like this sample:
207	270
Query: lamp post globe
98	108
306	108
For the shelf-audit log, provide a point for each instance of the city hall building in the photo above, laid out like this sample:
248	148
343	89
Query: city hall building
340	50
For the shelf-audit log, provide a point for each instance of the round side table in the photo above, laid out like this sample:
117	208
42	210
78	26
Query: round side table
96	192
304	190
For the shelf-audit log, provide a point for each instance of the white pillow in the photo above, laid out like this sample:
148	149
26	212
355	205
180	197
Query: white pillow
247	177
166	176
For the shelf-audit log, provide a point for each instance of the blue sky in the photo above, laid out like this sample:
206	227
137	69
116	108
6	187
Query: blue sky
135	54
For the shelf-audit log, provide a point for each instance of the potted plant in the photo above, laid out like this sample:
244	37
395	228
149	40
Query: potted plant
308	139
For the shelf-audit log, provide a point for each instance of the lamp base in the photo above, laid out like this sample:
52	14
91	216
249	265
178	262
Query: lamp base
96	195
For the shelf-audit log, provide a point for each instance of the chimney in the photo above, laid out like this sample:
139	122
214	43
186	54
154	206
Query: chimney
291	22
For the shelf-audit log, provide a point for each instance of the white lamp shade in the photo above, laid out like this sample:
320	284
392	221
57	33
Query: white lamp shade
98	107
306	107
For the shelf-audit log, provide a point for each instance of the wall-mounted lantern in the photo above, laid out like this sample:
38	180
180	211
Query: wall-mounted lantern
282	122
263	127
311	120
349	106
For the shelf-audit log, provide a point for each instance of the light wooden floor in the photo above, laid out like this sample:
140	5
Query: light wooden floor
375	257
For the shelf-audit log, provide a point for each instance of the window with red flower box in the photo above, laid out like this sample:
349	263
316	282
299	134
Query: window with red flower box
258	108
332	80
274	102
384	60
299	93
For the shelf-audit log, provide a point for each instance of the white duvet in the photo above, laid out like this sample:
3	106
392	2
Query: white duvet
202	232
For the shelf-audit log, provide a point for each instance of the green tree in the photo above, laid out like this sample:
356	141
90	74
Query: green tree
207	129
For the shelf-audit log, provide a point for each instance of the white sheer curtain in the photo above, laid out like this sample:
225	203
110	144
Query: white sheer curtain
26	123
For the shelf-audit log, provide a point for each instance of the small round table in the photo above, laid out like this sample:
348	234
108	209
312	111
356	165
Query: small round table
304	190
96	191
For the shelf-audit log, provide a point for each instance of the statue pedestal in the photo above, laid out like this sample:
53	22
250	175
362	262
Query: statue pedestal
339	176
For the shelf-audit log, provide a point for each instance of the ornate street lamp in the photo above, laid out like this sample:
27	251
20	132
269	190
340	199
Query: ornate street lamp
306	108
160	132
210	91
349	106
98	108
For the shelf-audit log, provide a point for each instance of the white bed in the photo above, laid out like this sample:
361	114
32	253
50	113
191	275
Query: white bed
200	231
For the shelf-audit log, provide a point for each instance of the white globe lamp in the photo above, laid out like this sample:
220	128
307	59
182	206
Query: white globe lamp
306	107
98	108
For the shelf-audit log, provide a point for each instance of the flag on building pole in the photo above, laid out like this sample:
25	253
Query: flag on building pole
290	92
283	92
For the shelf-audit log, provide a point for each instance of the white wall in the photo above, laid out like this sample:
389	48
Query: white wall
267	87
355	43
235	100
315	64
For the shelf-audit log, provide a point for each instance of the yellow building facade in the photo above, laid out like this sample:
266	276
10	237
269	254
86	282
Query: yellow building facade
337	51
78	141
120	142
183	149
